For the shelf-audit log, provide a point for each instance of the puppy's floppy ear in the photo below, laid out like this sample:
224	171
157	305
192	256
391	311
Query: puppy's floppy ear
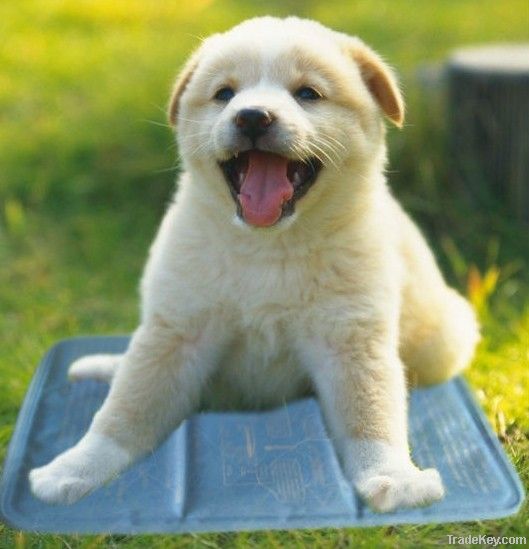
380	80
180	85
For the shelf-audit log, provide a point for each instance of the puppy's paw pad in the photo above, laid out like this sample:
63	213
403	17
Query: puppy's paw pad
410	488
51	486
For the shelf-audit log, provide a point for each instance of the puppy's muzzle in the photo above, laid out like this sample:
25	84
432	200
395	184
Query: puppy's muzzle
264	181
254	122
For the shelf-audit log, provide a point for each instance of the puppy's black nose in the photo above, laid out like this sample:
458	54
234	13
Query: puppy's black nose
253	122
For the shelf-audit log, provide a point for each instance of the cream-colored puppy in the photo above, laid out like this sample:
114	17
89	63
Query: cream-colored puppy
284	266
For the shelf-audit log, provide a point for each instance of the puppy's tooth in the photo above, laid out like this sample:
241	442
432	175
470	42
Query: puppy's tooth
236	155
297	178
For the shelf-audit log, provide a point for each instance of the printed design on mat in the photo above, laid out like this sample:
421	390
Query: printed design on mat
285	456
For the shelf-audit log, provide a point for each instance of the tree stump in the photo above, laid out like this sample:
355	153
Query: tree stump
488	94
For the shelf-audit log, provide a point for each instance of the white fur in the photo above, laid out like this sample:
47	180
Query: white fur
334	299
387	480
100	367
93	461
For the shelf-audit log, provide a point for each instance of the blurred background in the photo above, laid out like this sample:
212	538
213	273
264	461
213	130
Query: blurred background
88	164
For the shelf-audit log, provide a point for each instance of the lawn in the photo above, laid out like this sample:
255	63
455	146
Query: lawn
88	164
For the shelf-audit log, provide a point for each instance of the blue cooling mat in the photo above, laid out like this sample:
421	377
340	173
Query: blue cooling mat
242	471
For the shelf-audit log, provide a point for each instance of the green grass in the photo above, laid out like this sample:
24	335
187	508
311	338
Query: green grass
87	167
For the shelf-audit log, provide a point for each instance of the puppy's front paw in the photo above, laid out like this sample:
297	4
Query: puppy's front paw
54	483
95	460
386	491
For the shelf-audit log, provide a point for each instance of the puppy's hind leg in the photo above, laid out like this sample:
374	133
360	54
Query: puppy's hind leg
99	367
438	338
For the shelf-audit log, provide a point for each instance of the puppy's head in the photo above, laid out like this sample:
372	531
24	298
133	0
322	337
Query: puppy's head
273	110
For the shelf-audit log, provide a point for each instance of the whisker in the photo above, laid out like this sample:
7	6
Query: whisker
201	133
299	150
315	155
165	170
328	145
195	120
339	143
155	123
200	148
324	153
160	108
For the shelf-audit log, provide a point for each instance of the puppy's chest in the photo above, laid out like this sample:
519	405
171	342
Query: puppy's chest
274	300
276	287
260	368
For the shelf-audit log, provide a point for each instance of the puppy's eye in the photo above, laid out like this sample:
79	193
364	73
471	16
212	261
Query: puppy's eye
306	93
224	94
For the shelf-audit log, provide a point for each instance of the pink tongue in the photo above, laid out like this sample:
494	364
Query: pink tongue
265	188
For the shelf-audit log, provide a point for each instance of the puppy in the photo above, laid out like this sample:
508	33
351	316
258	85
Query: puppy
283	266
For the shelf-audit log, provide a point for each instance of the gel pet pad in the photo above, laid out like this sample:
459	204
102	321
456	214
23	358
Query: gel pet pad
244	471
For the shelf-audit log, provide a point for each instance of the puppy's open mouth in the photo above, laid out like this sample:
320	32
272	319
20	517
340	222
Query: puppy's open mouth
265	185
